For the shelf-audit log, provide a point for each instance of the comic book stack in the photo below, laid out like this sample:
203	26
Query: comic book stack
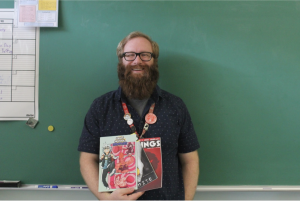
126	163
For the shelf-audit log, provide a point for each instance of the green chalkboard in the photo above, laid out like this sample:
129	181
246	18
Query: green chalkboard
234	63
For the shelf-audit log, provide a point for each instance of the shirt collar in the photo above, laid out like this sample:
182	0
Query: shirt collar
155	95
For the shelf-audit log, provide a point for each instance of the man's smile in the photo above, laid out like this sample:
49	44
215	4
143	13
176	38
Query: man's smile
137	70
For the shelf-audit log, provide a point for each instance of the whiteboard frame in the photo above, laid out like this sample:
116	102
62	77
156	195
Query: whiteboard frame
200	188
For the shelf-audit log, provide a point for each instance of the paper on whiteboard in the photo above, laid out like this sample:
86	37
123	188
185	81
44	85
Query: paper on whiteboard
36	13
19	52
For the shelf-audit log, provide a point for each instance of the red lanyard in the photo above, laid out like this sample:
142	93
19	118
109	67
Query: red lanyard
150	119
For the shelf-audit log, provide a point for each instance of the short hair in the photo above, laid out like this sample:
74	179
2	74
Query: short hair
106	146
136	34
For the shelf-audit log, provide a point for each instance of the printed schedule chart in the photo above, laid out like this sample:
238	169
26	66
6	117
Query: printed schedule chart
18	70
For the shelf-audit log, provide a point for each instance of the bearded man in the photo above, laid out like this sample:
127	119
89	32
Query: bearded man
138	75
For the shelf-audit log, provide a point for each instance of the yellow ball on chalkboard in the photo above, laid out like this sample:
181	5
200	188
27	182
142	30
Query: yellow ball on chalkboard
50	128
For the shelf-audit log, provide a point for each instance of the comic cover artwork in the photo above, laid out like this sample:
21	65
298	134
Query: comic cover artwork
152	148
117	163
145	171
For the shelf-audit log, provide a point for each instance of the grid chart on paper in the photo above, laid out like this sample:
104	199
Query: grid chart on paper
17	70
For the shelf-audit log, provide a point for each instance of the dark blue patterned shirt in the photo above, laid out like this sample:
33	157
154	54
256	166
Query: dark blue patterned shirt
173	126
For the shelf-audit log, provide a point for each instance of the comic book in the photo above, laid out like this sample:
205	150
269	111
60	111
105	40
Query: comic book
145	171
152	148
117	163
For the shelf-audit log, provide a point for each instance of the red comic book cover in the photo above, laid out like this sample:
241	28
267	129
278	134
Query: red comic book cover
152	148
145	171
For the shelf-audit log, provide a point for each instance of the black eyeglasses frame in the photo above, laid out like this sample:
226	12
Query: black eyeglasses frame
137	54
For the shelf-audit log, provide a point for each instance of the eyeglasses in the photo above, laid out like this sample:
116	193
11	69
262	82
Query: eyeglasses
131	56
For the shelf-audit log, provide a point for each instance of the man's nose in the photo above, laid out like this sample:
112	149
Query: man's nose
137	60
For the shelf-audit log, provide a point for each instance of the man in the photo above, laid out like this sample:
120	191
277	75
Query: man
138	75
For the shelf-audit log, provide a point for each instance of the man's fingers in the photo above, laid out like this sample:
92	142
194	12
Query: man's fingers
125	194
135	196
125	191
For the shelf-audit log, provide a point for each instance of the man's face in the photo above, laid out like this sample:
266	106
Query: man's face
138	45
138	78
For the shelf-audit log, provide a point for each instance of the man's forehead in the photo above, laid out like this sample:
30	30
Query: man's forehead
138	44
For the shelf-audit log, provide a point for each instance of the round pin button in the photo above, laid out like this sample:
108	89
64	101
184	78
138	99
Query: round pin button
127	116
151	118
129	121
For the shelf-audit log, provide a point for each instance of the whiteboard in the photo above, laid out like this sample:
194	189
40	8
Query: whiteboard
19	69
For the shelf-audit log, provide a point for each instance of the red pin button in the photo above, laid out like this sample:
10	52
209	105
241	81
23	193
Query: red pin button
151	118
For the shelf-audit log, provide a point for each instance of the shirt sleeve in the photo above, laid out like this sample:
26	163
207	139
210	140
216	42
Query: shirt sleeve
90	136
188	140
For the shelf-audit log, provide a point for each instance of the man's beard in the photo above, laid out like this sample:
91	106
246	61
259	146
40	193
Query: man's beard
138	86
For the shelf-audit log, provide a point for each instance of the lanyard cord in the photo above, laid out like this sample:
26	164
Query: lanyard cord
150	119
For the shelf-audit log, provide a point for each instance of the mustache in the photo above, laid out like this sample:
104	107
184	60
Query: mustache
138	67
124	72
128	69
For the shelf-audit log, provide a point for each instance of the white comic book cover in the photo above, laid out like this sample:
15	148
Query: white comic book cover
117	163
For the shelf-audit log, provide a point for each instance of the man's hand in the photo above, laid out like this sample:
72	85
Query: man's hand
89	167
124	194
119	194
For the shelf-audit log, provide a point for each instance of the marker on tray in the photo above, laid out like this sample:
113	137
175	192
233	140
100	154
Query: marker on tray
77	187
46	186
